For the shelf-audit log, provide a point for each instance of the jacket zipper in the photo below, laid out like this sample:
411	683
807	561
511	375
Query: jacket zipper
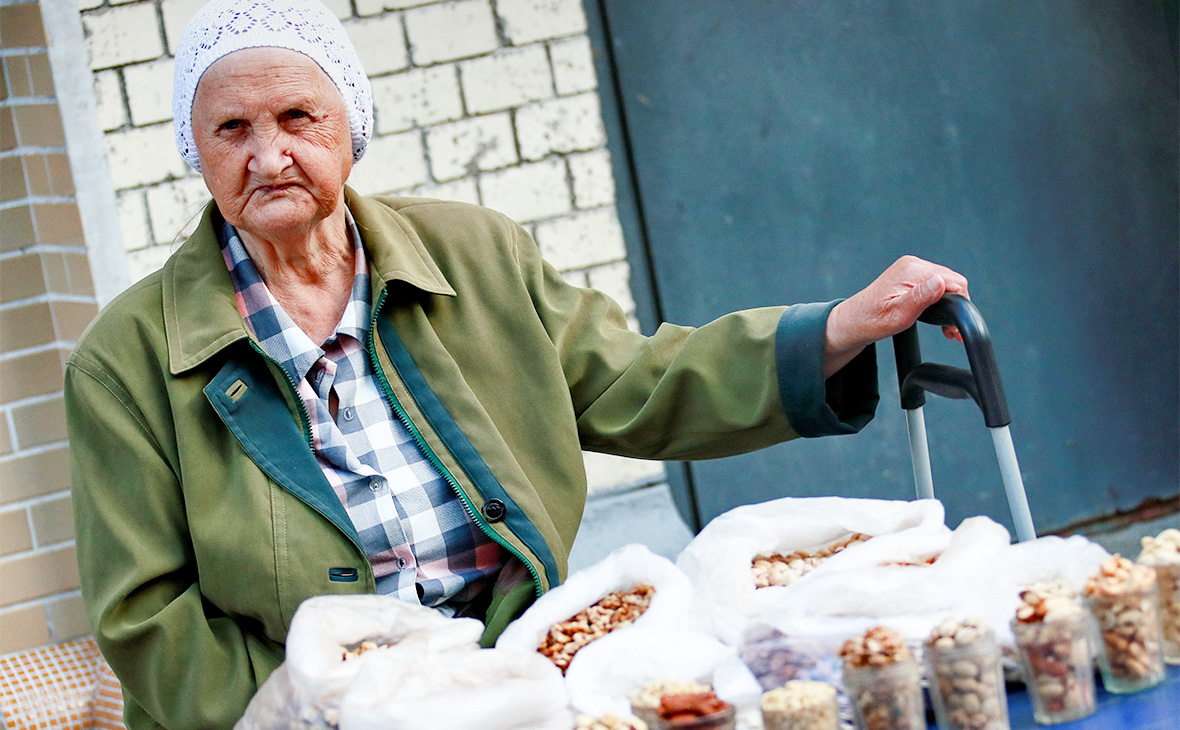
433	457
295	391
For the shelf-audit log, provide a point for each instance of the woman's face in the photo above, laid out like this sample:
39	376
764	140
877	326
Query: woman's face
273	137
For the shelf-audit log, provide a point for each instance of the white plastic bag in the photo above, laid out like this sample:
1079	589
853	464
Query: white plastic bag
412	688
718	560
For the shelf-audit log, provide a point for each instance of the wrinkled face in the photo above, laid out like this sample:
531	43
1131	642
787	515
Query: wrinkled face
272	133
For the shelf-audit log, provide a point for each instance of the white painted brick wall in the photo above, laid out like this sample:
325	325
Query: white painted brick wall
392	162
124	34
149	91
416	98
379	43
573	65
109	94
594	180
491	102
451	31
471	145
561	125
509	78
174	208
529	192
526	21
583	240
143	155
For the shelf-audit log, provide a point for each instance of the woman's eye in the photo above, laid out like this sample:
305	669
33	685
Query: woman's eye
232	125
297	114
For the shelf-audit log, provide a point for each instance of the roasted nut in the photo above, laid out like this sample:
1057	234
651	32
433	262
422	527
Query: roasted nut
1123	599
1163	554
609	721
967	681
882	680
613	611
783	570
1051	633
361	648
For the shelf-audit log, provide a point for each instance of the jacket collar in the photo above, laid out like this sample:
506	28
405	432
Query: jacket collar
200	309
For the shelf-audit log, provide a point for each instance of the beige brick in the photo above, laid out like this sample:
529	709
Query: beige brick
7	129
29	376
570	124
176	14
16	69
39	424
21	277
25	326
506	79
418	97
133	219
78	274
582	240
379	43
528	192
392	162
15	536
526	21
53	264
39	125
12	179
71	318
471	145
121	35
573	65
68	617
109	92
58	224
61	177
175	208
20	26
27	577
143	155
16	226
22	628
35	475
41	74
149	91
594	180
5	436
146	260
463	191
614	280
53	521
451	31
35	174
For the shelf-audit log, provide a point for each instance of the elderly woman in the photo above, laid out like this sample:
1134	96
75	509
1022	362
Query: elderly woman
327	393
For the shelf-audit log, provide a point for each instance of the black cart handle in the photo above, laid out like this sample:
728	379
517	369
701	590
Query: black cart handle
981	383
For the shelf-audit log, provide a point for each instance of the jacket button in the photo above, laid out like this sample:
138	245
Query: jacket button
494	510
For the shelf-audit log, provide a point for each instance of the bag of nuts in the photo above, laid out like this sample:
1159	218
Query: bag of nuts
1163	554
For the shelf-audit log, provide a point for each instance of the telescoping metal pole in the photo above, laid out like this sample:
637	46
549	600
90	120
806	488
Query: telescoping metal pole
920	453
1013	483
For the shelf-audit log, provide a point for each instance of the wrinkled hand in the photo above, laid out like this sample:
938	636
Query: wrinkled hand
886	307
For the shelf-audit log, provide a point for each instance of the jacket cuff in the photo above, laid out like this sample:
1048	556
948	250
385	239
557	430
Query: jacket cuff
845	402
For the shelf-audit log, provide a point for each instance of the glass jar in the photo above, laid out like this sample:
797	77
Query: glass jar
1055	661
723	720
967	685
886	697
801	705
1168	578
1131	657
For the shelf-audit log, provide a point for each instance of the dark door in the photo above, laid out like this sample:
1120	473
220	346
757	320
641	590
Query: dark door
788	150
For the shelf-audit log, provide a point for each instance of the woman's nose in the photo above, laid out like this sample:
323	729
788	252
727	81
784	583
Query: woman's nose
270	156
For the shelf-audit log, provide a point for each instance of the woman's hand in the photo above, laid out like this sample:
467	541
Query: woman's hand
886	307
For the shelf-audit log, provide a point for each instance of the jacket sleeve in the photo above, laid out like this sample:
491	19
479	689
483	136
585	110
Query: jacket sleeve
742	382
182	664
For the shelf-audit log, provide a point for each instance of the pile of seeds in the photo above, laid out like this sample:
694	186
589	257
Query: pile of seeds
783	570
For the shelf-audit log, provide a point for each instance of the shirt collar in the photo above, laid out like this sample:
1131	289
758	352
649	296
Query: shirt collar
276	333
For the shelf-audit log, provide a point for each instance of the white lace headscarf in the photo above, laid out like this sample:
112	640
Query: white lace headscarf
306	26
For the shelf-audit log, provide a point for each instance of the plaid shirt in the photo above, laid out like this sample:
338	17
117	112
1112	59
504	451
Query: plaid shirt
416	532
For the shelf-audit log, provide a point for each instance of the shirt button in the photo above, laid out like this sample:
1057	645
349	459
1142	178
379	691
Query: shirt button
376	485
348	414
494	510
401	562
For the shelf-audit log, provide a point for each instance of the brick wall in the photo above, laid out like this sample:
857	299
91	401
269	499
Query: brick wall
46	299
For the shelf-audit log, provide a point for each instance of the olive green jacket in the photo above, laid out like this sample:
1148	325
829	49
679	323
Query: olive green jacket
203	518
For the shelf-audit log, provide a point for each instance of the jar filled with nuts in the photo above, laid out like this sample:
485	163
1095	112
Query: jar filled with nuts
645	701
800	705
883	682
966	677
1052	631
1163	554
695	711
1124	599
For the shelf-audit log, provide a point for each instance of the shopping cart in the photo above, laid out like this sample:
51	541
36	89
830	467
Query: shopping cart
981	383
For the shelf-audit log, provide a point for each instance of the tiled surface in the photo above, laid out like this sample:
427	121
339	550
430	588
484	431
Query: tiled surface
23	627
53	520
39	575
39	474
